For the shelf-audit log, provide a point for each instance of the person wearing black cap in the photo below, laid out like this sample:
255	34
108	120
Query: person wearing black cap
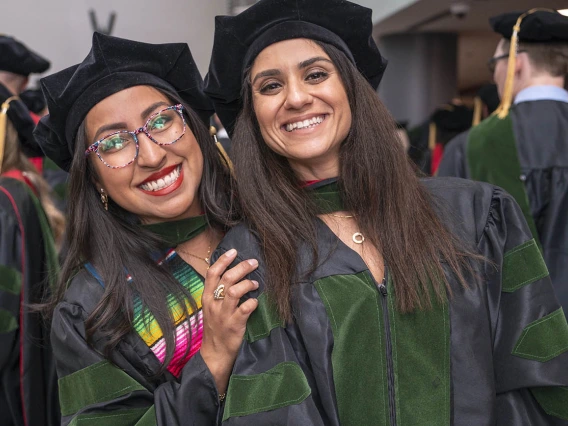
445	123
522	148
139	335
29	222
383	299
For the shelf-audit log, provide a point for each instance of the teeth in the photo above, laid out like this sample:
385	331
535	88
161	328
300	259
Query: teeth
304	124
162	183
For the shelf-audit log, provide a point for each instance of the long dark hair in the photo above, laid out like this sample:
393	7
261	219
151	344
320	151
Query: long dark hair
114	241
393	209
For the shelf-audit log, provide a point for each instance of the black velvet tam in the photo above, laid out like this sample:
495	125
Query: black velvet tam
453	118
239	39
34	100
538	27
19	116
489	95
112	65
15	57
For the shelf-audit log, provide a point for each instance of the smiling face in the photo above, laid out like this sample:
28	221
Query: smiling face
301	106
162	183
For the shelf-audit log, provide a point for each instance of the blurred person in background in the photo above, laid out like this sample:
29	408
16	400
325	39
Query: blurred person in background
30	227
446	122
523	147
485	102
54	175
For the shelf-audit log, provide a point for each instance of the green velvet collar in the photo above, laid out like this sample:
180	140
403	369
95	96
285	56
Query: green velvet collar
326	196
179	231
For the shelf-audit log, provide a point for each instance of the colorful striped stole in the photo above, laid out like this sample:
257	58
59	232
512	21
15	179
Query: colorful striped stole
147	327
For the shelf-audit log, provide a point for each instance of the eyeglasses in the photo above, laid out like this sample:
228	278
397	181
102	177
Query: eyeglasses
491	63
120	149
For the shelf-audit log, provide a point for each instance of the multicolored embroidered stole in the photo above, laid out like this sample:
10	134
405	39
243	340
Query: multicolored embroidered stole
147	327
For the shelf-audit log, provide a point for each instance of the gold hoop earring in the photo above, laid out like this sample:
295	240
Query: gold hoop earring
104	199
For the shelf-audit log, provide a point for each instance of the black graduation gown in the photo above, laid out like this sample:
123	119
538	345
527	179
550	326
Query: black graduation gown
127	390
495	355
541	137
28	388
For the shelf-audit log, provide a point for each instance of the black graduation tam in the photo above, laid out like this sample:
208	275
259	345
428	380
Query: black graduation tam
19	116
453	118
541	26
15	57
489	95
239	39
112	65
34	100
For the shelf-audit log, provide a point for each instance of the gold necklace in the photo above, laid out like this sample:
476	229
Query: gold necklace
206	259
358	238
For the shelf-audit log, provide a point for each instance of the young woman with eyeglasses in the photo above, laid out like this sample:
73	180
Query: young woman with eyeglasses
136	336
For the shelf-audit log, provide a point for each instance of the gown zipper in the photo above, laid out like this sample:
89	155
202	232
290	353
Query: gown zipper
390	368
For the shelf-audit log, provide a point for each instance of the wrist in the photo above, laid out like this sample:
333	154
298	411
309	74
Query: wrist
220	368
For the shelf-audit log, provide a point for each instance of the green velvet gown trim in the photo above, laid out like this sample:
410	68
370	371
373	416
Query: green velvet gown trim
51	256
326	197
492	157
354	307
179	231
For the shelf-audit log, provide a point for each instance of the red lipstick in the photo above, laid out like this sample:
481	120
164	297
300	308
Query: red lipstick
158	175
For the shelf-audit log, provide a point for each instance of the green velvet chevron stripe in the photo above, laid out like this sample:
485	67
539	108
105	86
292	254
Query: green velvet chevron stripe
359	365
8	322
544	339
10	280
327	198
281	386
263	320
523	265
421	355
97	383
48	242
133	417
553	400
492	157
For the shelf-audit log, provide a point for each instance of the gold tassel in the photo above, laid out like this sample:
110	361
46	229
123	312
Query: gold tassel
432	137
477	109
213	132
507	98
3	121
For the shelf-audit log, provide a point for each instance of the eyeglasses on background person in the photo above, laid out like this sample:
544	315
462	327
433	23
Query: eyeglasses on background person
492	62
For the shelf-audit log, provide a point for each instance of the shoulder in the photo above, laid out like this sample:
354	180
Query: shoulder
466	207
16	204
242	239
84	291
13	193
458	143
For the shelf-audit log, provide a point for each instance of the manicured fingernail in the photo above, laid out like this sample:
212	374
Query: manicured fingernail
231	253
253	262
255	283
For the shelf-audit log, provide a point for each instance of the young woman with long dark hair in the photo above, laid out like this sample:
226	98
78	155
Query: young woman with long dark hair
136	337
384	299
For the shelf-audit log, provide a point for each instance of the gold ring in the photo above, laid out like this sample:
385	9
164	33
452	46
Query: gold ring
219	292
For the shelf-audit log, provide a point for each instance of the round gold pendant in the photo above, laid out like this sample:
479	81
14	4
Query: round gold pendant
358	238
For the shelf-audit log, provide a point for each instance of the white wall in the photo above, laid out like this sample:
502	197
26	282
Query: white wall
384	8
61	30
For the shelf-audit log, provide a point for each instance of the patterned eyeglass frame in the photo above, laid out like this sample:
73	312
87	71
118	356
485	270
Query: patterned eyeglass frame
144	129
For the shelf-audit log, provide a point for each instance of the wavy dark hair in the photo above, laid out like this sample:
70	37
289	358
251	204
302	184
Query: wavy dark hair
114	240
378	184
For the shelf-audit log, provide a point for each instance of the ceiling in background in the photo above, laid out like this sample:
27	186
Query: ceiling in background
477	41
